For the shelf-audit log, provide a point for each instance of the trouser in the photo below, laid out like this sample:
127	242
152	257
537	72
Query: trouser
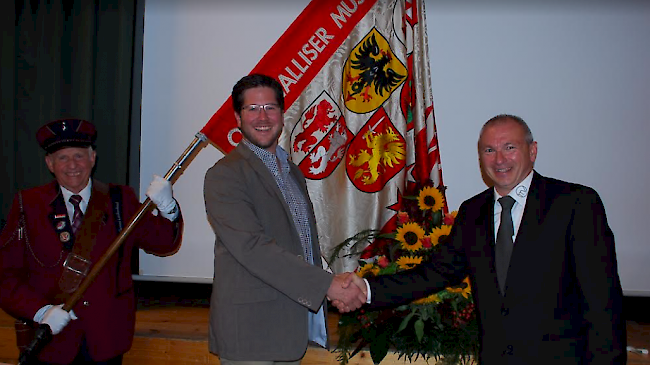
83	358
235	362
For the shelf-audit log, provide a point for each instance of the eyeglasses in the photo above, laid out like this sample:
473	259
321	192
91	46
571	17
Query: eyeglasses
257	108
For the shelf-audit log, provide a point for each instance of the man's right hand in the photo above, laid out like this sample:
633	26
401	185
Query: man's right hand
346	297
56	318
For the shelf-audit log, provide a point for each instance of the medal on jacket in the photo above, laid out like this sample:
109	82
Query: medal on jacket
64	237
63	230
61	223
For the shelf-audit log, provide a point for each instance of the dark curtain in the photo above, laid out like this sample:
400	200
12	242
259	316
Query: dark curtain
60	59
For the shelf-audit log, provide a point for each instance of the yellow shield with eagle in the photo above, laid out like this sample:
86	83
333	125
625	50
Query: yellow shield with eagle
371	74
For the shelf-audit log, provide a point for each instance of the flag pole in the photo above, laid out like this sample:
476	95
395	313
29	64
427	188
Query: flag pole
43	333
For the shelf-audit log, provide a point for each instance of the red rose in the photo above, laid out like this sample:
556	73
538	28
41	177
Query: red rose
383	262
402	218
448	219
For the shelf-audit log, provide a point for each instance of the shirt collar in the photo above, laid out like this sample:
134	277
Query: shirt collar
267	157
84	193
520	192
283	157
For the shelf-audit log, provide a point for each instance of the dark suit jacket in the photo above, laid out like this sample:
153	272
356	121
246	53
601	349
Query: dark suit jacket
263	287
563	298
30	270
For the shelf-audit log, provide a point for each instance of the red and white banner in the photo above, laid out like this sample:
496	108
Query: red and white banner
359	118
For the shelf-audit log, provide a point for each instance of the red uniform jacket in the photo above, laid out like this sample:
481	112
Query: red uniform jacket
30	269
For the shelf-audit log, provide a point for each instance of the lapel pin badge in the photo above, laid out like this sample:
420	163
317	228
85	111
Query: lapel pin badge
521	191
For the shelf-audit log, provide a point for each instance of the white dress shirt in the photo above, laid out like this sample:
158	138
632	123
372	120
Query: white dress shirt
85	198
519	194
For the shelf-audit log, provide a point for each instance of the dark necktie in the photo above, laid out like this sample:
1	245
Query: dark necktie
504	240
78	215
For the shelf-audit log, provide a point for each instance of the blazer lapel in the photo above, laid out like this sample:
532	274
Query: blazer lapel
530	229
487	218
296	173
58	217
266	178
534	213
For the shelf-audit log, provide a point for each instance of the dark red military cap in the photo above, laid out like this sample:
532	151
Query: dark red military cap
66	133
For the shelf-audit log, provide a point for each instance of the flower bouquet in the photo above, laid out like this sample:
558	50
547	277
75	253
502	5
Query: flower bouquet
441	326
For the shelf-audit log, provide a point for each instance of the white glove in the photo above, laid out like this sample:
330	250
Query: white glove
55	317
160	193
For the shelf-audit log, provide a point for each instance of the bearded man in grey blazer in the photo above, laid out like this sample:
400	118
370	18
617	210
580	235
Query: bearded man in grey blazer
269	288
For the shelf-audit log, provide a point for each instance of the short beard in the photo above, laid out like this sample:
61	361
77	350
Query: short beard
258	143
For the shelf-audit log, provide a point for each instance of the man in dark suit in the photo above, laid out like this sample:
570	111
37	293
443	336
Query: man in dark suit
269	285
56	232
558	299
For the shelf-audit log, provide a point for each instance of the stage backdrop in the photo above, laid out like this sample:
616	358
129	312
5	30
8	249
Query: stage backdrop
577	73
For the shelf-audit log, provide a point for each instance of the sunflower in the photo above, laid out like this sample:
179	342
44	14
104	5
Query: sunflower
464	288
433	298
368	269
408	262
409	235
439	233
431	198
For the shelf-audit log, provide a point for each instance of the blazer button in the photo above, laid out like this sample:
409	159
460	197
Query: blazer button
86	303
508	351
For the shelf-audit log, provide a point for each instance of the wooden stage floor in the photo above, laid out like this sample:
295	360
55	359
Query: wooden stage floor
171	329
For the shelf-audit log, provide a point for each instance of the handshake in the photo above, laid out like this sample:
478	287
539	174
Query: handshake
347	292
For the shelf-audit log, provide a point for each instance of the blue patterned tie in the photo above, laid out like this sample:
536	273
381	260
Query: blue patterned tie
78	215
504	241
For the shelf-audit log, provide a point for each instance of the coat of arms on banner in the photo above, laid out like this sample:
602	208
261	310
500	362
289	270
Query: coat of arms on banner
371	73
320	138
376	154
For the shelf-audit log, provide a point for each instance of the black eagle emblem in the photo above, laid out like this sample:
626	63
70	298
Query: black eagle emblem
371	61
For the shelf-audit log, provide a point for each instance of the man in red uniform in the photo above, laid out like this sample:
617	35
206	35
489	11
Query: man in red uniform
56	232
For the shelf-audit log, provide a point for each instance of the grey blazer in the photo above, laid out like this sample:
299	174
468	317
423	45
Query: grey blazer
263	288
